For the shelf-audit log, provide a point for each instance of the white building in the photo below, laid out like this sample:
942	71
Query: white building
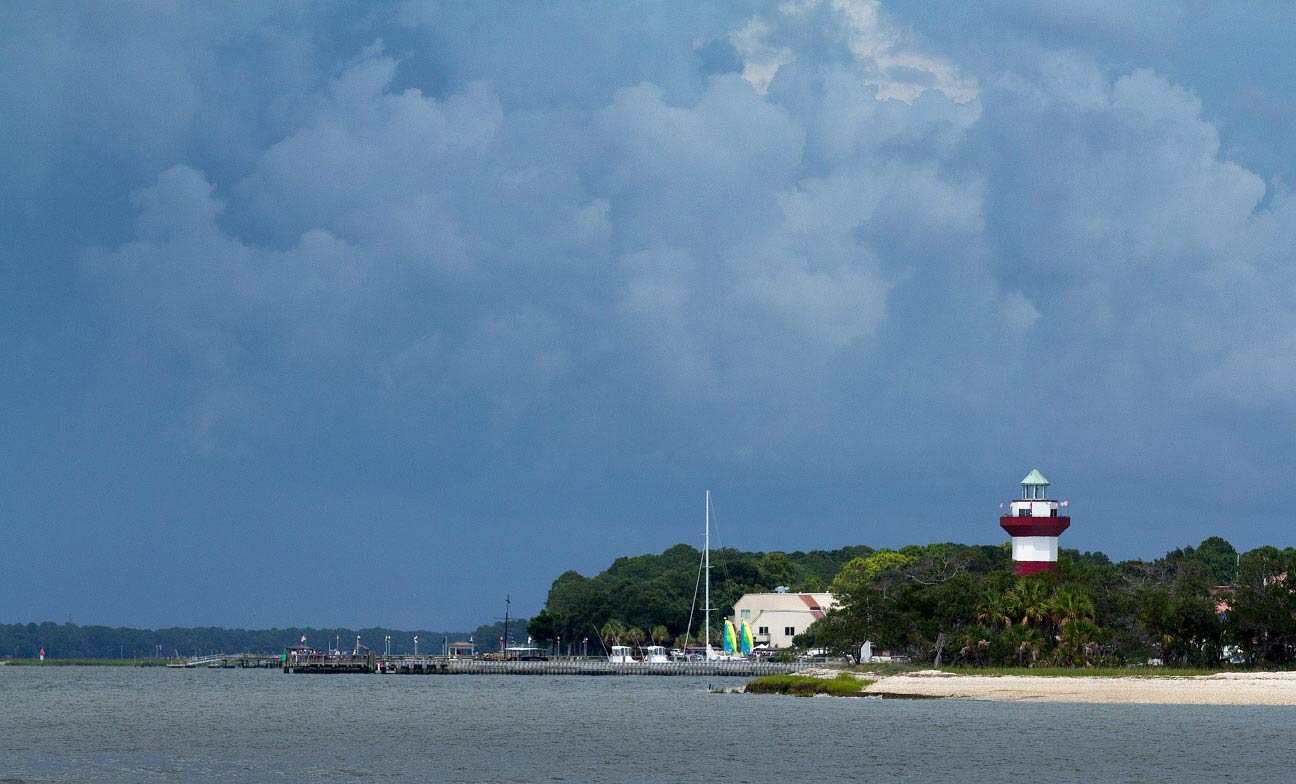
775	618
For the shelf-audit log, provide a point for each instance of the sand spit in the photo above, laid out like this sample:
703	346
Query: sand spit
1253	688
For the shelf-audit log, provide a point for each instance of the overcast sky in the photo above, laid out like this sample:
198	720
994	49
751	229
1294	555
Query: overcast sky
373	313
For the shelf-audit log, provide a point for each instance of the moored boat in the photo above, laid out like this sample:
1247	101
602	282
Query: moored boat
655	654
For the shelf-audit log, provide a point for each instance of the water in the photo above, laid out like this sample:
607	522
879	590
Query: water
153	725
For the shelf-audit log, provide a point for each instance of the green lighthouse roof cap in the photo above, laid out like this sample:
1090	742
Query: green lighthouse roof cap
1035	478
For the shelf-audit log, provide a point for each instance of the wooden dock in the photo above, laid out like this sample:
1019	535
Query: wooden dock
440	665
323	664
228	661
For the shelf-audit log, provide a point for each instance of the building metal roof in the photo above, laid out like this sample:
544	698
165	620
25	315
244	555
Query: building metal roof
813	604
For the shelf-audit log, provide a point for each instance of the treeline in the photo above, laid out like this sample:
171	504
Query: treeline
1194	606
70	641
961	604
652	596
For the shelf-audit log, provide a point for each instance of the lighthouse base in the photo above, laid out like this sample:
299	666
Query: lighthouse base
1027	568
1034	542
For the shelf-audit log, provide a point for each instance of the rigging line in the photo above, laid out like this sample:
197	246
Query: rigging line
599	636
715	524
696	585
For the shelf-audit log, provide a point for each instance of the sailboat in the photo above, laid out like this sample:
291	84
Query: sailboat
729	640
745	641
711	655
732	641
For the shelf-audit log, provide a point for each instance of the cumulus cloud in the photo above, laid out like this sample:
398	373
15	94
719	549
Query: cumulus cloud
826	238
409	233
761	60
897	68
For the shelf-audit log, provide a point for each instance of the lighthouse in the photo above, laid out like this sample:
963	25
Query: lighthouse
1034	524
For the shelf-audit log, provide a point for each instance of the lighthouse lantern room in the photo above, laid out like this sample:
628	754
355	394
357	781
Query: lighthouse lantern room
1034	524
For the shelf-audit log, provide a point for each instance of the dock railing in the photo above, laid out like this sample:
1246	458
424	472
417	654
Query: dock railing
439	665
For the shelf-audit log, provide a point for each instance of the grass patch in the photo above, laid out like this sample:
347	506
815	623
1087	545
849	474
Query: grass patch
843	685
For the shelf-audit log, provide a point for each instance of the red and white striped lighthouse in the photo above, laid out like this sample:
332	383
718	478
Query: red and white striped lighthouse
1034	525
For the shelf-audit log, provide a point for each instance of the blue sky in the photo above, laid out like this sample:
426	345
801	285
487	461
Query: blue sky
323	313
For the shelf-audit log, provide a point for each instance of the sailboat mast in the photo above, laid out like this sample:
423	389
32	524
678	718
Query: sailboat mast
706	559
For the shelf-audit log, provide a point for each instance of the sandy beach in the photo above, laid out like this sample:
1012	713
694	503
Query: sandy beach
1255	688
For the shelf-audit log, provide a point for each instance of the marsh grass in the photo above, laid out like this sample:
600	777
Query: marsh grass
844	685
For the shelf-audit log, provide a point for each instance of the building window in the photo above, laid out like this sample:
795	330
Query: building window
762	630
789	631
746	615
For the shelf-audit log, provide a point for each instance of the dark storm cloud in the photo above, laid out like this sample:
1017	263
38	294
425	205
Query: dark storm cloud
498	281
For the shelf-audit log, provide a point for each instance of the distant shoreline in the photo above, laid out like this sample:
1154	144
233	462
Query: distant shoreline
1225	688
51	662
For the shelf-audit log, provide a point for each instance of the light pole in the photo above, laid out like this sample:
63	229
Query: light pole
508	600
416	645
387	646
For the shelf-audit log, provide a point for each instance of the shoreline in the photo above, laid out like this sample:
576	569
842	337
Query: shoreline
1225	688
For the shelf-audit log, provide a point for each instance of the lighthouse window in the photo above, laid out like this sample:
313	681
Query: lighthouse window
1024	512
1052	513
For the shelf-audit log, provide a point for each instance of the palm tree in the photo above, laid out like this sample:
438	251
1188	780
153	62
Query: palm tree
612	631
1029	601
1079	643
659	635
635	636
1025	644
1069	606
975	647
993	611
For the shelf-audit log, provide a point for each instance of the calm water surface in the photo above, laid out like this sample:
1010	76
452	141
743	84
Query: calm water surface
150	725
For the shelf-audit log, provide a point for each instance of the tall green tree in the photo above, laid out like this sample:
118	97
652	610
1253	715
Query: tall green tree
1262	612
543	627
1182	618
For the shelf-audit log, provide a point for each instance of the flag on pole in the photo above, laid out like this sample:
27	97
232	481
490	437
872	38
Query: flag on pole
416	638
1001	504
303	639
1065	503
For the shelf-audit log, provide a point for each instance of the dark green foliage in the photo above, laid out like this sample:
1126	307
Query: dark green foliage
1217	556
1262	615
542	628
1181	618
966	607
650	591
961	604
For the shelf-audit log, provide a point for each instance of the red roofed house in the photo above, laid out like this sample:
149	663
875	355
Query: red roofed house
776	618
